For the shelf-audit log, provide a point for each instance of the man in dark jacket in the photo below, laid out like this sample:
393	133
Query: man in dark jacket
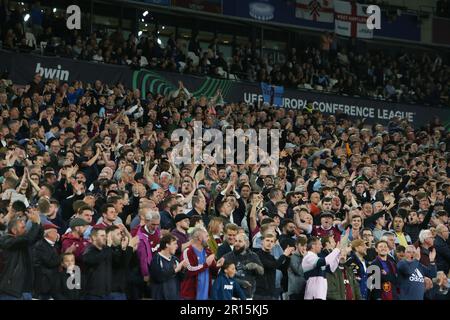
237	205
275	195
388	271
46	262
199	208
288	233
358	264
98	264
166	271
16	279
286	239
265	285
440	290
413	226
248	265
231	230
442	248
122	251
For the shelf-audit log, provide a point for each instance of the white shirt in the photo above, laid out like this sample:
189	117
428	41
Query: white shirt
50	242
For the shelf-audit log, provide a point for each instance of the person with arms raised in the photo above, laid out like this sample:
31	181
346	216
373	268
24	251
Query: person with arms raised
313	267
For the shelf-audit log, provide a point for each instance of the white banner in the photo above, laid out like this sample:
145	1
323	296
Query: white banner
315	10
351	20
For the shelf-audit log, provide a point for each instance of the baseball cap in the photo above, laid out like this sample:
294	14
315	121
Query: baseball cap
77	222
48	226
181	217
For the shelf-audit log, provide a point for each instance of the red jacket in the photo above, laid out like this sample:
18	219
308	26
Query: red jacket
320	232
81	244
189	284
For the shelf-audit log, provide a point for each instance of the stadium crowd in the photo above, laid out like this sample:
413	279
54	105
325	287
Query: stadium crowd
94	207
330	64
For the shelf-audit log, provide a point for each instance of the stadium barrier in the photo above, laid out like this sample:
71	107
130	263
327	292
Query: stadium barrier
22	67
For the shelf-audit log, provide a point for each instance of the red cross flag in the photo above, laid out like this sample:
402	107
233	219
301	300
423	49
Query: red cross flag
350	19
315	10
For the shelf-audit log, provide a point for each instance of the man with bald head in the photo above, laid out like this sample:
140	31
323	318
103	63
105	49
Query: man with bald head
248	265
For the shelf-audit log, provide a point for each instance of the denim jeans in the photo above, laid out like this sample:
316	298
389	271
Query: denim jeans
8	297
117	296
27	296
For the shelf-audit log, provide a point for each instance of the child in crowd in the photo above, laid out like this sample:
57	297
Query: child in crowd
225	287
68	285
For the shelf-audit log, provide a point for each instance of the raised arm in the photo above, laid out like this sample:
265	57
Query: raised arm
189	197
92	161
307	228
151	173
175	171
32	183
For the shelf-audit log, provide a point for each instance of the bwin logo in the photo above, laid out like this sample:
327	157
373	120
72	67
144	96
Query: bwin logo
51	73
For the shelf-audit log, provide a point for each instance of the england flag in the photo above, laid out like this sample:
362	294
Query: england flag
315	10
351	20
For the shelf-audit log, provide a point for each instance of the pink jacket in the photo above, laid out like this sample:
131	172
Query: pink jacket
144	250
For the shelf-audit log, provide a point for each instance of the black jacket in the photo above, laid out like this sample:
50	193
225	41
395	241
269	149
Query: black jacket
285	241
67	206
17	275
248	269
442	254
98	270
205	216
46	262
165	281
265	285
389	280
271	207
369	222
223	249
120	266
61	289
414	229
238	213
436	294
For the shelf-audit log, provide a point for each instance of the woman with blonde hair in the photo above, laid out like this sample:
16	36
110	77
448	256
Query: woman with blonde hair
215	231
